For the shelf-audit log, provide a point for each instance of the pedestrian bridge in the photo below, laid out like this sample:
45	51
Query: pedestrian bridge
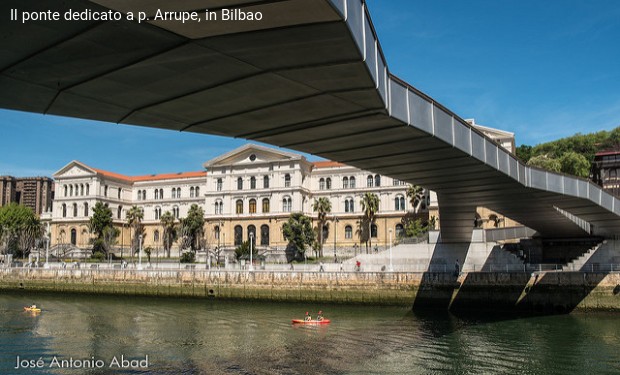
309	76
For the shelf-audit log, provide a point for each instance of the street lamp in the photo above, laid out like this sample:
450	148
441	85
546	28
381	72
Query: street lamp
251	241
140	252
391	269
47	246
335	235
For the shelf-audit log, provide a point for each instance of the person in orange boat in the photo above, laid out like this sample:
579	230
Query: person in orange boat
308	317
319	316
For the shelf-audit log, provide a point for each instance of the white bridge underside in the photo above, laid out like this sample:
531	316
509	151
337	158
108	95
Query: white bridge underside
309	77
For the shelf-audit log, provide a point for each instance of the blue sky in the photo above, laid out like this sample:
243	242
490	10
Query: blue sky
541	69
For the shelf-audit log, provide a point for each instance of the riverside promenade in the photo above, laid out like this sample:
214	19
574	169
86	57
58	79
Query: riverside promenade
529	292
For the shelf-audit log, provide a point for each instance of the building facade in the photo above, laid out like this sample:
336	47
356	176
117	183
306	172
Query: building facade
248	192
606	171
34	192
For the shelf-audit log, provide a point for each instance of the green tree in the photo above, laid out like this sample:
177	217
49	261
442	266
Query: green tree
575	164
322	207
102	226
370	207
524	152
544	162
415	228
101	219
134	219
170	231
243	250
20	229
299	233
415	194
192	228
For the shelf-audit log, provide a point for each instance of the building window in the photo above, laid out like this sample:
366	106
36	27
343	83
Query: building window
349	205
399	203
86	209
178	192
238	235
81	189
240	183
64	210
216	231
175	212
70	190
352	182
157	213
119	211
191	192
264	235
345	182
118	193
156	236
252	182
373	231
369	181
252	208
105	191
218	184
74	236
161	193
139	195
144	194
400	230
66	189
218	207
252	233
266	182
395	182
287	180
328	183
322	184
239	207
156	194
265	205
75	210
197	191
377	180
286	204
173	193
87	189
348	232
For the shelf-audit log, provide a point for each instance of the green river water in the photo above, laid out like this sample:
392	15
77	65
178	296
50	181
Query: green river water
100	335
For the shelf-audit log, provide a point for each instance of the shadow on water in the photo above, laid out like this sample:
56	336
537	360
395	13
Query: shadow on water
503	292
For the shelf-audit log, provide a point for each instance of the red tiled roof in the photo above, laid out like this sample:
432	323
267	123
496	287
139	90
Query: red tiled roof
169	176
151	177
609	152
327	164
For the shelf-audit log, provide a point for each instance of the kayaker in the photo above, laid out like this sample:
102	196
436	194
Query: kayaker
319	316
33	306
308	317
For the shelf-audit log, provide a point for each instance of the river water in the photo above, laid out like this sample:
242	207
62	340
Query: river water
184	336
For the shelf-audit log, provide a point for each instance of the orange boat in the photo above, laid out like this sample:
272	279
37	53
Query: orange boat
301	321
32	309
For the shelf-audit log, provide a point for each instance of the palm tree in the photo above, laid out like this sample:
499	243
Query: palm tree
370	206
322	206
415	193
134	219
170	230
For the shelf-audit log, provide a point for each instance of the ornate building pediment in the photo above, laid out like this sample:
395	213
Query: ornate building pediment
250	154
74	169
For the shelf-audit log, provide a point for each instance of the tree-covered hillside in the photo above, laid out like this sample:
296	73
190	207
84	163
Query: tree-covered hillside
572	155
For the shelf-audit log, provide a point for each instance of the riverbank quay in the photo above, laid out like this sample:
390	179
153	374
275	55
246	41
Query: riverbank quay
536	292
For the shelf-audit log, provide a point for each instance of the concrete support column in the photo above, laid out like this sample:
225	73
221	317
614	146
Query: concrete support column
456	218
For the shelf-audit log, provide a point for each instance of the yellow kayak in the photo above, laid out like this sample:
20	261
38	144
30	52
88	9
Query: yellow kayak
35	309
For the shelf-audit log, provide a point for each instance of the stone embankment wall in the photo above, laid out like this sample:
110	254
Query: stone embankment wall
551	291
